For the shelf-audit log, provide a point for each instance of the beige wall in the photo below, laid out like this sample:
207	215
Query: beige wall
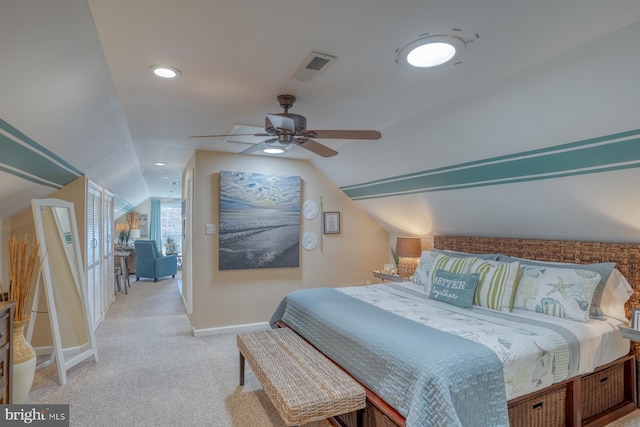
239	297
22	223
143	208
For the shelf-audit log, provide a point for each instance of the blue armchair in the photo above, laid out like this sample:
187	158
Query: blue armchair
151	263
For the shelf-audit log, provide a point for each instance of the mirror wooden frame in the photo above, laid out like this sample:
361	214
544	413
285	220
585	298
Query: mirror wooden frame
67	302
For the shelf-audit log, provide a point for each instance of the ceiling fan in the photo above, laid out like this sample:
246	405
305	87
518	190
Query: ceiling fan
287	128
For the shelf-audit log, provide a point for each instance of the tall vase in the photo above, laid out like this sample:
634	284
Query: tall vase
24	363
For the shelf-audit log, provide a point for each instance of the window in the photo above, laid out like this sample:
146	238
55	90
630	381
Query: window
171	227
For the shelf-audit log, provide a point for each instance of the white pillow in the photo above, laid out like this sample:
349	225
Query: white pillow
617	292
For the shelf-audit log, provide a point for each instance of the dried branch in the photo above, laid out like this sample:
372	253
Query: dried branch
21	268
133	218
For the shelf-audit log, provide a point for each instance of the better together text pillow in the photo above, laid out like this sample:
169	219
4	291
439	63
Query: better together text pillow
454	288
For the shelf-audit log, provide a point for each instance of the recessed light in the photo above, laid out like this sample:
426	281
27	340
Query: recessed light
273	150
166	72
160	164
431	50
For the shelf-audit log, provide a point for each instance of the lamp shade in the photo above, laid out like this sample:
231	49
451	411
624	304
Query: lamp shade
134	233
408	247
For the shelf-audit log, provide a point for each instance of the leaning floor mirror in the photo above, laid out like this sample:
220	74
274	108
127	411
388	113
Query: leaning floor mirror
65	284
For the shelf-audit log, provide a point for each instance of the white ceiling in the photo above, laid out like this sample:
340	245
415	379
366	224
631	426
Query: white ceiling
101	109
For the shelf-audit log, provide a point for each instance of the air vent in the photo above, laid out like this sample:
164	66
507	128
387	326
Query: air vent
313	64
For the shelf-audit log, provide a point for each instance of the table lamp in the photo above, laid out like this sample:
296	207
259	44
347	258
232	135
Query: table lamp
408	250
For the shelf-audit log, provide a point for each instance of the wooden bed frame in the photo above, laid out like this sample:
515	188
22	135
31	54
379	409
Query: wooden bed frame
627	259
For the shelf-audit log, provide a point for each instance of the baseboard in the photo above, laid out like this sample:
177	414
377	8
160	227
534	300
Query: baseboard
43	350
230	329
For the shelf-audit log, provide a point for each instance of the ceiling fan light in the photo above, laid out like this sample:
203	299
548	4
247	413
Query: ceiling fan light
273	150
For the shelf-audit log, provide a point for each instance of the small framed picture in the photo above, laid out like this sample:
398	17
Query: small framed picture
635	319
331	222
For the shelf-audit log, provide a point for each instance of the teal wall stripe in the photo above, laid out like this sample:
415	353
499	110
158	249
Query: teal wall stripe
122	205
613	152
23	157
30	160
29	178
24	138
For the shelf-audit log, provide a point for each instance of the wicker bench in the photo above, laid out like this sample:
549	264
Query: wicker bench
303	385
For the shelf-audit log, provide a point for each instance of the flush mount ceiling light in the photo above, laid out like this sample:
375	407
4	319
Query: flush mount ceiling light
165	71
432	50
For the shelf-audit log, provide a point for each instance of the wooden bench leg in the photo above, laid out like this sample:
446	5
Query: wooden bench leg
360	418
241	368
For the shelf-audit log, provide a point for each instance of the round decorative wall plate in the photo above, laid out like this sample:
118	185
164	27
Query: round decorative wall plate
310	209
309	240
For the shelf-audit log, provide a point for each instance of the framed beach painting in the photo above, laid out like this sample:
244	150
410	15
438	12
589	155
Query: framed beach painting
259	221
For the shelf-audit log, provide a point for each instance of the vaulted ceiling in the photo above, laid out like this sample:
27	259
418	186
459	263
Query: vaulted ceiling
75	80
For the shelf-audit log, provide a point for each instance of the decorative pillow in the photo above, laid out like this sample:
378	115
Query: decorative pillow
560	292
604	269
443	261
454	288
497	284
421	275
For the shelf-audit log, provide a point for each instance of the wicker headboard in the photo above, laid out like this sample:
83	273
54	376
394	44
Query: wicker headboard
625	255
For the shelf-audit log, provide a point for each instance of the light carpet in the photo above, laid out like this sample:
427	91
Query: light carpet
153	372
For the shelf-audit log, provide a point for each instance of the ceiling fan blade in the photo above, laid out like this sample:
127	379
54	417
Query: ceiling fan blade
315	147
343	134
279	122
257	147
231	134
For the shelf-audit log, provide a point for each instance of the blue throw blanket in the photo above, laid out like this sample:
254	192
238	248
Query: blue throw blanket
431	377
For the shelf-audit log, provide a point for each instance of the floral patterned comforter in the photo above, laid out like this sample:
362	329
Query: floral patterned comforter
535	350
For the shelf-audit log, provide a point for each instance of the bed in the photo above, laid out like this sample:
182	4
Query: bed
358	327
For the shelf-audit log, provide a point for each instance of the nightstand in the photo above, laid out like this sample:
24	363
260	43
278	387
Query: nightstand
631	334
389	277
